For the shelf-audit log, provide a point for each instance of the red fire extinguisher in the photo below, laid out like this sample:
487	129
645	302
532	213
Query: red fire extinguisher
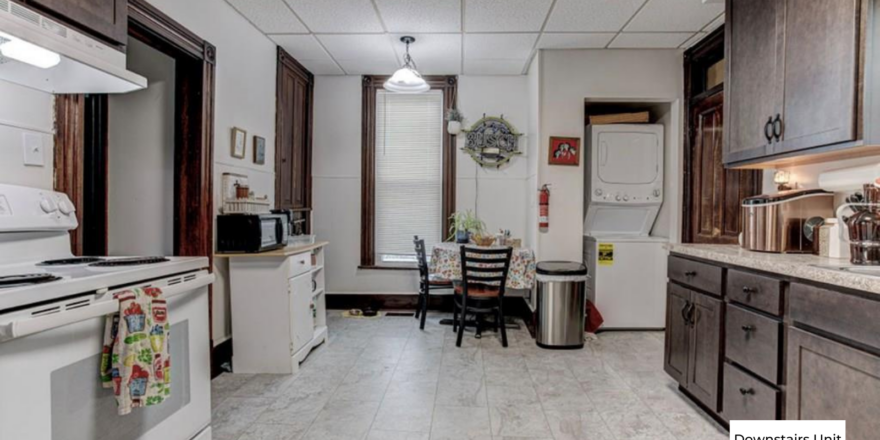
544	207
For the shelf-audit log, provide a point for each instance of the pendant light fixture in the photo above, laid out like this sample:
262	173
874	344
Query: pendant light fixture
407	79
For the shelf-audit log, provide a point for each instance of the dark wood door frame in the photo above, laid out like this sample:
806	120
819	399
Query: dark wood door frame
194	132
283	121
696	60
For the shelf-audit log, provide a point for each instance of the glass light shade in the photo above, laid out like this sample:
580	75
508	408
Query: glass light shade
781	177
406	80
28	53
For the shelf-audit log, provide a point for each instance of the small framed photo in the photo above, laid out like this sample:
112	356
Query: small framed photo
565	151
259	150
239	142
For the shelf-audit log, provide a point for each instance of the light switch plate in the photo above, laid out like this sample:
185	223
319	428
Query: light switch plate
32	144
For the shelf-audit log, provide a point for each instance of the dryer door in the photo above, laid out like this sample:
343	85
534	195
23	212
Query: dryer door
629	158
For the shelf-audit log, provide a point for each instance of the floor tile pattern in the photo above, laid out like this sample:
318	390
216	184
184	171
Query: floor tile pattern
385	379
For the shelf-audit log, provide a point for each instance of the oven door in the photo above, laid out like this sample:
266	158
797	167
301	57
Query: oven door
50	380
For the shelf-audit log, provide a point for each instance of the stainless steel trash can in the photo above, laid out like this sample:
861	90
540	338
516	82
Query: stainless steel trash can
561	304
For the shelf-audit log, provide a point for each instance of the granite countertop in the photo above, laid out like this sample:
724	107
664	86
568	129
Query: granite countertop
801	266
291	249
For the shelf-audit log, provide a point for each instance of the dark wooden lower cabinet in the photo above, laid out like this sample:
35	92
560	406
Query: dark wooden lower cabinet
677	333
831	381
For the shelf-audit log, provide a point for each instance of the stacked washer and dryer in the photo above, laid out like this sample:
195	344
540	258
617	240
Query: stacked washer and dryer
623	195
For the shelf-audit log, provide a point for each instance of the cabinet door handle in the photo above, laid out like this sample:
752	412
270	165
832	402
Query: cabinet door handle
749	290
747	391
768	129
690	274
684	312
694	314
777	127
748	328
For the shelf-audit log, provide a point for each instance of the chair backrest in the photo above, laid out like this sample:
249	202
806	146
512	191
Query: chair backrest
485	266
422	257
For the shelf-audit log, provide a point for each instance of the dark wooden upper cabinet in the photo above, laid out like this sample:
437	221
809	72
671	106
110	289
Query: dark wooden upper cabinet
796	82
293	132
821	68
751	86
105	19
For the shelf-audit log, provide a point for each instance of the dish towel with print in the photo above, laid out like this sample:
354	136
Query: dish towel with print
136	361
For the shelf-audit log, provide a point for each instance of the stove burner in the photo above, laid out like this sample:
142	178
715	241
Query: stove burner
134	261
70	261
27	279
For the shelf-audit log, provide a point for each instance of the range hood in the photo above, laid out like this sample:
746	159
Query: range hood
42	54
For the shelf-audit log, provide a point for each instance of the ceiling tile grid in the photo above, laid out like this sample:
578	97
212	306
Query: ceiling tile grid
479	37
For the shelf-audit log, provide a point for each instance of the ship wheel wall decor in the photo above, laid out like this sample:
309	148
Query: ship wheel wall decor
492	141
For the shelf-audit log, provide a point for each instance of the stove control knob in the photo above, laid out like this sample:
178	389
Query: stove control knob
66	207
48	206
617	197
625	198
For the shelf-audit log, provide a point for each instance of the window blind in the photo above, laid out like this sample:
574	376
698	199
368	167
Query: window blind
409	147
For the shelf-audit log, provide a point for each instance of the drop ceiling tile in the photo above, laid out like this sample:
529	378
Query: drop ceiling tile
715	24
322	67
344	16
417	16
499	46
366	66
650	40
434	54
505	15
270	16
693	40
591	15
302	47
575	40
494	67
359	47
674	16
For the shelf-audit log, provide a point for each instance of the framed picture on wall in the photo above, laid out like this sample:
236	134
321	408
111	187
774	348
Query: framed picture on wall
239	142
259	150
565	151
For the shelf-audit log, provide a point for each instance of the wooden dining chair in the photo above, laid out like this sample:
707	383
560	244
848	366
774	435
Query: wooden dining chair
427	281
481	291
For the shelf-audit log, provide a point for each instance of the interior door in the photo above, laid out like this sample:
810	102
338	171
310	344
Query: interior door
821	73
716	192
705	350
752	77
293	135
677	333
302	325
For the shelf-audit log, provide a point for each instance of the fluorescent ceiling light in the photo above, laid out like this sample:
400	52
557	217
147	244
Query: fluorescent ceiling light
28	53
407	79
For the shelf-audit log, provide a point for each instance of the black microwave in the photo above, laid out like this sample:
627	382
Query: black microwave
251	232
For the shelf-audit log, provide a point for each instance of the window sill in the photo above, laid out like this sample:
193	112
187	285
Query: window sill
361	267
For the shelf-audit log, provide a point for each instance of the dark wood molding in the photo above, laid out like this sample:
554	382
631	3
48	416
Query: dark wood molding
371	84
68	156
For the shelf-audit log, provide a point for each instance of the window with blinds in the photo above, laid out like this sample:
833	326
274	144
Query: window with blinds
408	175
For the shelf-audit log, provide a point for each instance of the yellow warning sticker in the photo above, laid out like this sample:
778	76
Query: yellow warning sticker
606	254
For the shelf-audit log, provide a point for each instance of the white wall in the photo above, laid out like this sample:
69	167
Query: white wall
24	110
141	159
533	131
503	195
567	77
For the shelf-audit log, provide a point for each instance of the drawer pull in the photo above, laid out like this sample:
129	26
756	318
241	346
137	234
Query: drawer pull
749	290
690	273
747	391
748	328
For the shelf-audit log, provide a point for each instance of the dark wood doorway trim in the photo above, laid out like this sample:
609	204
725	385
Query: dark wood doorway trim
729	186
194	132
449	86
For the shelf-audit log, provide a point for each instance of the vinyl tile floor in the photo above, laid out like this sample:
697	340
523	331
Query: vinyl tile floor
385	379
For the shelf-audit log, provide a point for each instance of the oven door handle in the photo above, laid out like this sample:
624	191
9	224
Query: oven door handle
29	326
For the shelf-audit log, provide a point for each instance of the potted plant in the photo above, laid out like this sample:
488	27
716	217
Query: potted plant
454	118
463	225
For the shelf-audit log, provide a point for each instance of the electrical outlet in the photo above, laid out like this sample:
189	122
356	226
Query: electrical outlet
32	144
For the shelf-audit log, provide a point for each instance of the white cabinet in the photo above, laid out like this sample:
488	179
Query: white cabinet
302	324
278	308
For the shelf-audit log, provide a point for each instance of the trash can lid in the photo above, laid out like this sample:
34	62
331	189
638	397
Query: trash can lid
561	268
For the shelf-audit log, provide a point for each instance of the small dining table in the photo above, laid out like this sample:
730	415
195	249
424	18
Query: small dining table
446	264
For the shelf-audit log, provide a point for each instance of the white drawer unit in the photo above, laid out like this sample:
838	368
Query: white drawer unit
278	308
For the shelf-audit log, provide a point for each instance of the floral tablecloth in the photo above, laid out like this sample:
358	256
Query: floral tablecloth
446	264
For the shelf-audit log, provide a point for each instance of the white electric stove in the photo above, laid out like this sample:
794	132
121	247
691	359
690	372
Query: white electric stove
52	311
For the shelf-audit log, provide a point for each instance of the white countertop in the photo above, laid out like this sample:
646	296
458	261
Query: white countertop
291	249
803	266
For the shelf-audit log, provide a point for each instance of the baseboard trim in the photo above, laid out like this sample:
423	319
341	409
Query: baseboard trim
220	354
